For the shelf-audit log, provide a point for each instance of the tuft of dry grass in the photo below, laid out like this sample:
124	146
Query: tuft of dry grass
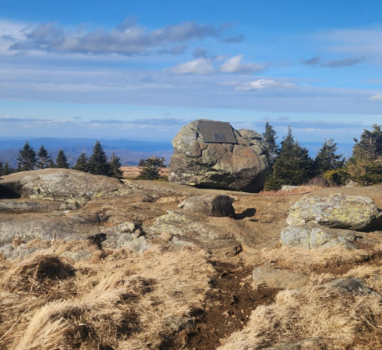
116	300
299	190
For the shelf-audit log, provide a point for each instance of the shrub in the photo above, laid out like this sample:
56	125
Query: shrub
336	177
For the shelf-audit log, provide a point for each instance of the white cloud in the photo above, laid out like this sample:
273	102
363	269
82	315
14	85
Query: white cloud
377	97
264	84
234	65
199	66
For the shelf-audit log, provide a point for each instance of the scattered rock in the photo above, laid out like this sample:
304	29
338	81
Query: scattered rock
210	205
22	206
350	285
288	188
336	211
312	236
277	278
78	255
242	166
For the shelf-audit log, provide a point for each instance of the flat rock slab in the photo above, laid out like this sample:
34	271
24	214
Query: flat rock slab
277	278
64	185
210	205
336	211
312	236
193	228
308	343
350	285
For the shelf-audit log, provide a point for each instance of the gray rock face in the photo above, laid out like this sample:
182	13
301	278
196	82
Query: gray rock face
336	211
63	185
313	343
186	228
210	205
277	278
242	166
312	236
350	285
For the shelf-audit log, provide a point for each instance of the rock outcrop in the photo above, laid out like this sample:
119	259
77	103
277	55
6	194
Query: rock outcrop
242	166
335	211
61	185
277	278
325	222
210	205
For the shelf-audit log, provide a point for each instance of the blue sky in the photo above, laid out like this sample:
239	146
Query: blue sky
141	70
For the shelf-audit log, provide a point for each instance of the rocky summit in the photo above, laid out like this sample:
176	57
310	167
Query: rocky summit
240	166
92	262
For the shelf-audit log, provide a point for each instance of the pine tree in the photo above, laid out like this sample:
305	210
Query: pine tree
44	160
7	169
82	163
27	158
293	166
370	144
98	163
61	160
115	166
1	168
151	169
269	138
327	159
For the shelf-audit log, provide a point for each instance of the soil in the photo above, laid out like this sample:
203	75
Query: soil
230	304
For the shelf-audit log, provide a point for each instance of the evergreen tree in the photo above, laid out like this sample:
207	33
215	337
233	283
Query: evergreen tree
269	137
7	169
98	163
370	144
293	166
27	158
44	160
327	159
151	167
61	160
115	166
1	168
82	163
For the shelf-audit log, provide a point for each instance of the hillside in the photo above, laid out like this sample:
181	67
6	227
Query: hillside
89	262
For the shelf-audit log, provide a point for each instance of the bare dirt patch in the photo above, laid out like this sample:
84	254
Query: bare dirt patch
229	305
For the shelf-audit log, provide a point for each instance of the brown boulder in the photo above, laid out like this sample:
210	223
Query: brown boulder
241	166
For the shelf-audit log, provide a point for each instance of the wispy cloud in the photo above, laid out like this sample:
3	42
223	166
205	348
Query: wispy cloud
377	97
128	38
265	84
200	66
235	65
344	62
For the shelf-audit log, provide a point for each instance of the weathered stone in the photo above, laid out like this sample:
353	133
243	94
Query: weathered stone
77	255
28	206
192	228
63	185
350	285
277	278
312	236
336	211
210	205
242	166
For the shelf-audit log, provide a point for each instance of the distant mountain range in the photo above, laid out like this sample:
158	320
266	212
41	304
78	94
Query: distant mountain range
130	151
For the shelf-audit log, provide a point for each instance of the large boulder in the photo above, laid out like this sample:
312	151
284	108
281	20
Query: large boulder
242	166
335	211
62	185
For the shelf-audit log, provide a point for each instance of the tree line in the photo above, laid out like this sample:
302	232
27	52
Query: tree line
292	165
97	163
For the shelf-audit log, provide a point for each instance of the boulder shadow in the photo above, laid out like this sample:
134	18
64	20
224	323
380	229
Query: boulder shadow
247	213
6	193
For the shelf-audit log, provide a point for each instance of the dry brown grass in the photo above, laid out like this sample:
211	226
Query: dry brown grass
308	261
343	320
298	190
119	300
